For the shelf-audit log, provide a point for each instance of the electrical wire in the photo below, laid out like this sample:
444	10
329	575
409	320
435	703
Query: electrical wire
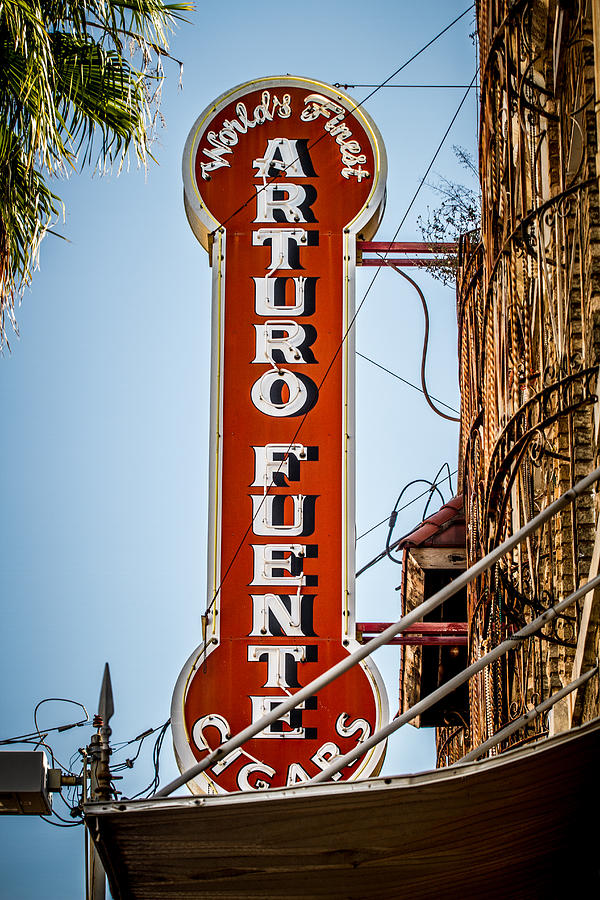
446	466
61	700
409	86
73	804
59	825
59	728
425	342
153	786
430	166
128	764
404	380
70	806
38	739
434	486
418	53
394	514
402	508
27	738
402	221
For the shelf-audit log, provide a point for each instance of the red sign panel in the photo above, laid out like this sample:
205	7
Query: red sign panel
281	176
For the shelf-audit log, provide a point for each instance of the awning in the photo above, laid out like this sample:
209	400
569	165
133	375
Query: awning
520	825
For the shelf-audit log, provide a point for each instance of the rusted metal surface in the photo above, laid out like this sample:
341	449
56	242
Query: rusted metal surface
529	333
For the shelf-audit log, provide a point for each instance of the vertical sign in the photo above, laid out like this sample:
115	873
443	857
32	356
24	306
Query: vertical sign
280	177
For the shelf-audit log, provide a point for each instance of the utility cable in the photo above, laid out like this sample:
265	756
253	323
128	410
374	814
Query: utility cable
432	489
418	53
128	763
409	86
59	824
151	788
406	505
405	216
60	728
32	735
404	380
425	341
433	486
394	515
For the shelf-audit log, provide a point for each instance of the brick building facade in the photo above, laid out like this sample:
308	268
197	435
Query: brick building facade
529	344
528	305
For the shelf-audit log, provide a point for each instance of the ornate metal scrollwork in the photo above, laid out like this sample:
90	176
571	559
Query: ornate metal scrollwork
532	419
528	335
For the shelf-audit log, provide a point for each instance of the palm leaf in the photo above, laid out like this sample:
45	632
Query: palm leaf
68	93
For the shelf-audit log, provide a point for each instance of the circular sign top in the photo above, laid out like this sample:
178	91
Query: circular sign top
315	135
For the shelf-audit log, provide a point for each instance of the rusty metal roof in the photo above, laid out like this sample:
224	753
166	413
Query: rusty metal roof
445	528
521	825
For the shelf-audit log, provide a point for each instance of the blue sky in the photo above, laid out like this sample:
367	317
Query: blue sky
104	397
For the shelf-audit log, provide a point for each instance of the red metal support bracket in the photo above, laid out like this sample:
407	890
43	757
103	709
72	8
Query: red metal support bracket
454	634
425	253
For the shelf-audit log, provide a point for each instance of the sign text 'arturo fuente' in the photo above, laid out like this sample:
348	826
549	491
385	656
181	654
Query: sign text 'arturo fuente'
281	176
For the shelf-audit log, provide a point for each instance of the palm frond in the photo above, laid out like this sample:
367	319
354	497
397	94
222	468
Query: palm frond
69	91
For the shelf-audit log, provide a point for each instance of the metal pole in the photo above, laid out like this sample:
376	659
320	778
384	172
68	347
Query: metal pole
414	616
449	686
527	717
100	777
87	838
97	877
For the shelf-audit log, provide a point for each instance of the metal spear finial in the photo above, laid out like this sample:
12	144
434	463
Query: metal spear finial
106	706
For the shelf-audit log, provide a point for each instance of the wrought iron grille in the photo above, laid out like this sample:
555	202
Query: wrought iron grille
529	327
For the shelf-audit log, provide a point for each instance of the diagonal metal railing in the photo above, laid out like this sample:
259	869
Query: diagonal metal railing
529	716
396	628
451	685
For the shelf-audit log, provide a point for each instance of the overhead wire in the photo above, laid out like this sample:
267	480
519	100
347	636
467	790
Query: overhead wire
73	807
433	487
38	738
59	824
128	763
402	508
394	514
425	342
402	221
404	380
59	728
156	751
418	53
409	86
27	738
